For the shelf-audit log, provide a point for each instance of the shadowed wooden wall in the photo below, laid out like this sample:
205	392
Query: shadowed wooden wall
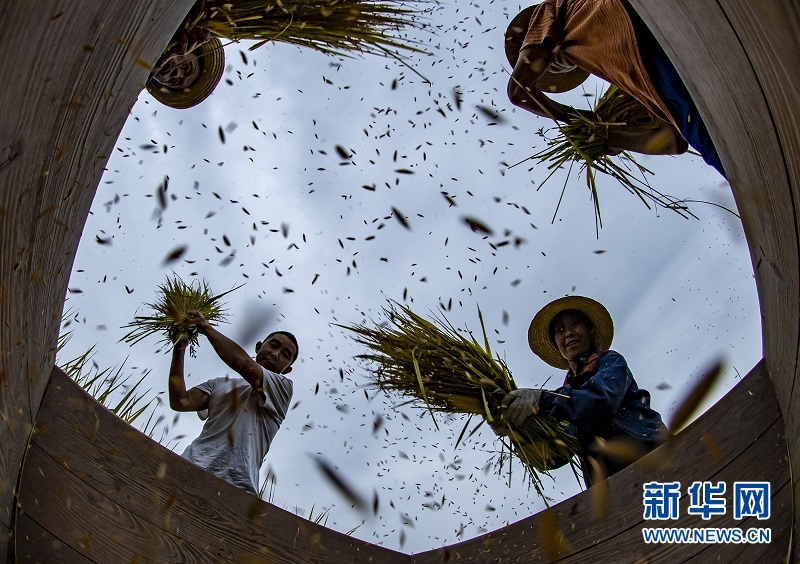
95	490
740	60
72	69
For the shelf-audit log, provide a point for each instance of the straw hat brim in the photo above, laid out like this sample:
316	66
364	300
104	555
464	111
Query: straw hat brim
539	331
211	59
552	83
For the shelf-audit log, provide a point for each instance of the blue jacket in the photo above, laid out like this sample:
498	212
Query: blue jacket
604	400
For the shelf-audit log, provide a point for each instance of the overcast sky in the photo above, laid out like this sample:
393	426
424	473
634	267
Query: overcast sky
258	194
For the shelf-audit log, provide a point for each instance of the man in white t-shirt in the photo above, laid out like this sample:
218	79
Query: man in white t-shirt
242	414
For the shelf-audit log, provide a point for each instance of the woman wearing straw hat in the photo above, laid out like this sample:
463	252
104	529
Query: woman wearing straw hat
608	413
555	45
192	66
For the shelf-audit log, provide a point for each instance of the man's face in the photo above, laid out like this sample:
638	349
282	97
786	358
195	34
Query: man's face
572	335
178	72
276	353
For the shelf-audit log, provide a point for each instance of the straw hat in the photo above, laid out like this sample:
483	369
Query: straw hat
539	331
553	83
211	58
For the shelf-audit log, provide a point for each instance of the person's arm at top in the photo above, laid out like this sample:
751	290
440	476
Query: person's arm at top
533	60
598	399
179	398
230	352
522	92
662	140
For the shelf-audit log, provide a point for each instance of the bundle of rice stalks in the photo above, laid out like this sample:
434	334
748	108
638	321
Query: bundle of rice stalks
335	27
583	140
169	313
433	363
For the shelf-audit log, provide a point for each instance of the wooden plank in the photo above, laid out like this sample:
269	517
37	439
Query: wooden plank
764	460
35	544
722	78
768	552
57	115
707	53
740	62
768	31
6	538
764	152
628	540
170	493
93	525
715	440
59	121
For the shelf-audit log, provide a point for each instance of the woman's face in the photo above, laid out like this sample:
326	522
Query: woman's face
573	335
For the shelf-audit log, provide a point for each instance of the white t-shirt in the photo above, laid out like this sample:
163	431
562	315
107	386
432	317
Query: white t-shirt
240	427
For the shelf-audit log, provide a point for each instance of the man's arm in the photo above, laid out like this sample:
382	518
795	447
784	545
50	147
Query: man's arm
179	398
230	352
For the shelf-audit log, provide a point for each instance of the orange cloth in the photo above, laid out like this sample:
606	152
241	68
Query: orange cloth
598	36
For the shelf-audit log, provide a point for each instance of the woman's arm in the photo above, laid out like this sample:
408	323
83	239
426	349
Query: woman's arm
597	400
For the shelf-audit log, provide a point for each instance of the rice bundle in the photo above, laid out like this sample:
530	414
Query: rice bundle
433	363
583	140
169	317
335	27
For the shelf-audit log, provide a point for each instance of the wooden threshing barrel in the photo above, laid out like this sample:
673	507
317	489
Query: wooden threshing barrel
92	489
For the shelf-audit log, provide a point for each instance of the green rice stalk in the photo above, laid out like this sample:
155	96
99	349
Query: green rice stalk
583	141
169	313
106	385
321	519
464	430
336	27
269	482
434	365
418	374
